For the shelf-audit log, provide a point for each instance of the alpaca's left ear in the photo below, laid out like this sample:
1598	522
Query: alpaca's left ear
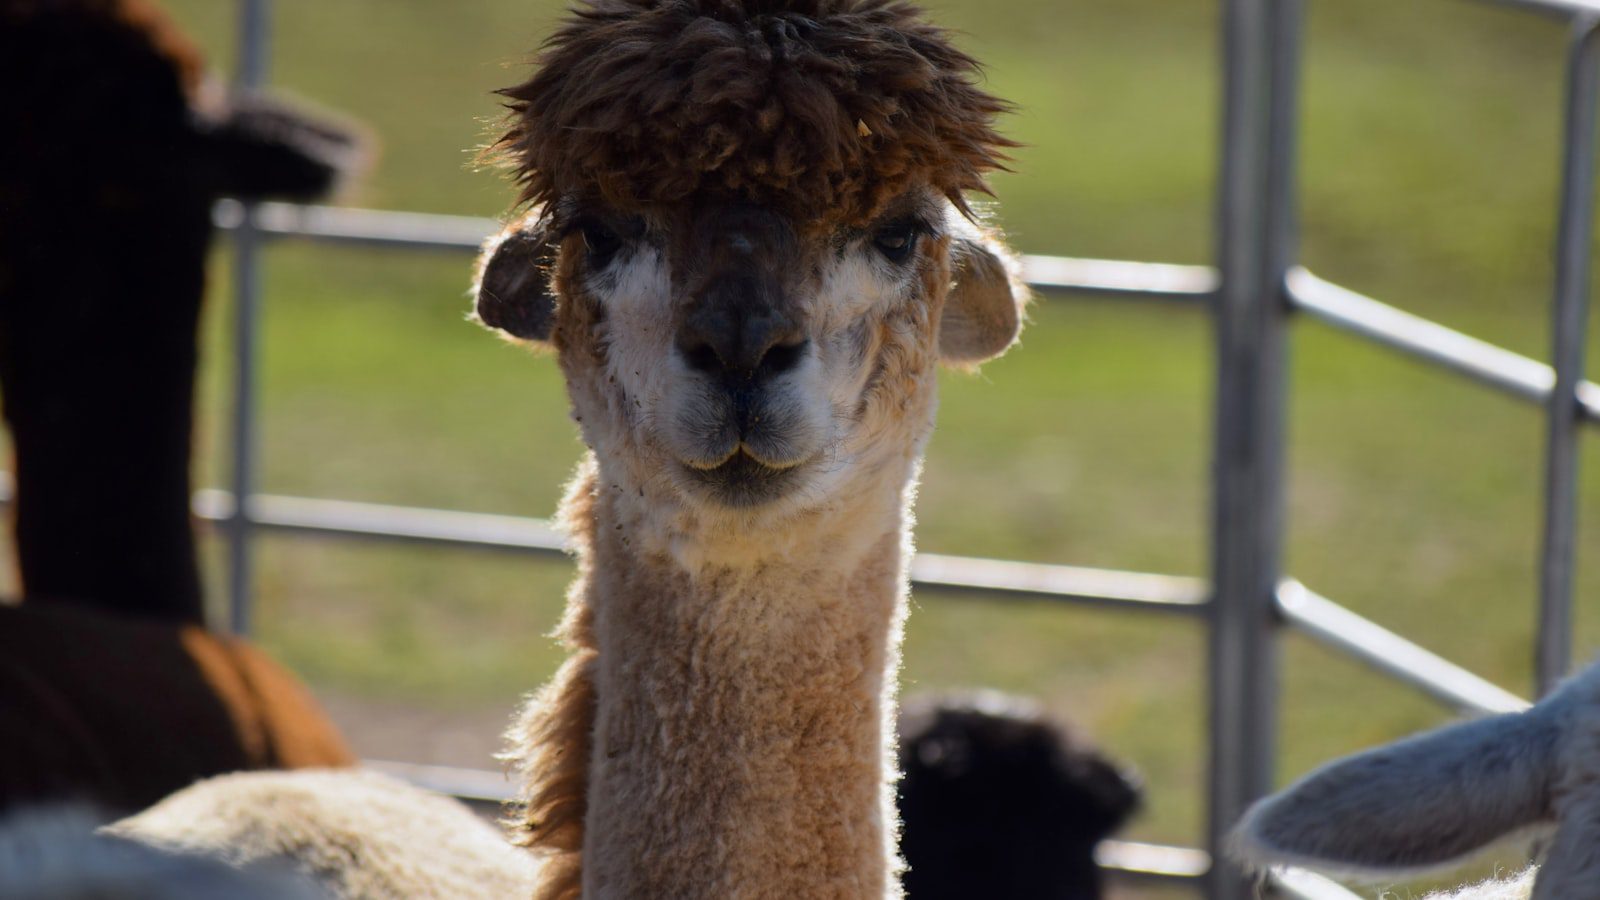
513	284
983	314
1417	804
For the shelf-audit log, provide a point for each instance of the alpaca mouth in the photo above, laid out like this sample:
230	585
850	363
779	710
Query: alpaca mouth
744	481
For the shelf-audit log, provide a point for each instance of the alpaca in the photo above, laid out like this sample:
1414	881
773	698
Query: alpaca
747	242
110	161
1431	800
53	853
118	713
996	800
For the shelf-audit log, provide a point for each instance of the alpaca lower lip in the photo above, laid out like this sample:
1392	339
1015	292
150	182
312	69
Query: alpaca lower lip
744	480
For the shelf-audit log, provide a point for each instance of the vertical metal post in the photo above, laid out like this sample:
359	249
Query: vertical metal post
253	49
1255	210
1569	327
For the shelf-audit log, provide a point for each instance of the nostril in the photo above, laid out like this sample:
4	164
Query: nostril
780	358
702	358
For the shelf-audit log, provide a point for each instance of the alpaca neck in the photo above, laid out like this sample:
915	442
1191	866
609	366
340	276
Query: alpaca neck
740	733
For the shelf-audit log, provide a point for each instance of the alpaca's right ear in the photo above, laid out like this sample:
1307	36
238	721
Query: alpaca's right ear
1417	804
513	284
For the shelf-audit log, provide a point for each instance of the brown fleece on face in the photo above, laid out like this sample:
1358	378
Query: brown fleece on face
824	109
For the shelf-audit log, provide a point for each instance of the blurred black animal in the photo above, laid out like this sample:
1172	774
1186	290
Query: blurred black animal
997	801
110	161
111	692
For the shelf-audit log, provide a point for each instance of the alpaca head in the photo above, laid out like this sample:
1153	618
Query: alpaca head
1431	801
749	244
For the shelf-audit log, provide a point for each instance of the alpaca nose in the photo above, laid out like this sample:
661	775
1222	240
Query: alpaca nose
740	341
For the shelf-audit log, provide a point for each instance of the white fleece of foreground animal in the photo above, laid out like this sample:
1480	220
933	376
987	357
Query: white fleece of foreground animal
357	833
1430	801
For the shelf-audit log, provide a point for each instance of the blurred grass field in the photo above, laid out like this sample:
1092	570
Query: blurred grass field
1429	160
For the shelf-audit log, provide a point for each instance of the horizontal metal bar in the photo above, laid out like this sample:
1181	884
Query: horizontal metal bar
1389	653
1565	8
1429	341
343	224
350	519
1042	581
1317	616
1303	885
929	571
472	785
1152	861
1117	277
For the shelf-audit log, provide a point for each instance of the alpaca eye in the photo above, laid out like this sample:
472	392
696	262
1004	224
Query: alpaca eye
896	241
601	243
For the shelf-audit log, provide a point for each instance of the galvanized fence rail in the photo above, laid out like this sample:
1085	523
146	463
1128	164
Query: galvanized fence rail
1252	294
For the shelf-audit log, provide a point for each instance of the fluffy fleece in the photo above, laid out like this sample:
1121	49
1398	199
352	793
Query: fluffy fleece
724	725
1432	800
1515	887
737	665
357	834
827	108
731	686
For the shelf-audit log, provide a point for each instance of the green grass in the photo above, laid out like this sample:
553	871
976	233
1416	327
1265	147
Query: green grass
1429	161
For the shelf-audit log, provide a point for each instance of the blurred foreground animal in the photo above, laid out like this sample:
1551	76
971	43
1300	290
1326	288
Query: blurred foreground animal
998	801
54	853
120	713
746	236
110	162
357	834
1430	801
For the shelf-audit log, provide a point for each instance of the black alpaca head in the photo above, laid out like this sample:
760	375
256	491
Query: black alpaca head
998	801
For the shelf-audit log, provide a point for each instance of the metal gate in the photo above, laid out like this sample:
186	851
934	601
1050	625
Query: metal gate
1254	291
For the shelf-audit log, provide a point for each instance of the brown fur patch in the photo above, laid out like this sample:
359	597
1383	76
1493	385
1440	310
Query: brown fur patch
551	741
553	737
824	109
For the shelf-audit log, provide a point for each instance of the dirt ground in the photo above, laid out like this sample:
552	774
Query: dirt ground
395	731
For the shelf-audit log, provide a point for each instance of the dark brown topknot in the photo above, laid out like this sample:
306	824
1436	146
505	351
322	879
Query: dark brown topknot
824	108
